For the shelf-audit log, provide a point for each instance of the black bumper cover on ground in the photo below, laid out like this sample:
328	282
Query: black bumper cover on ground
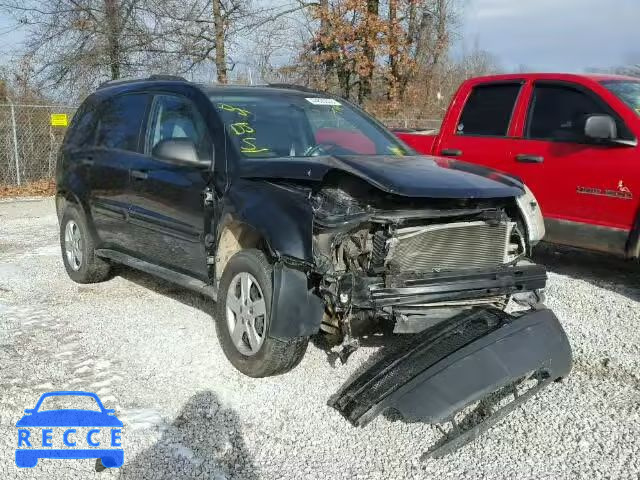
450	366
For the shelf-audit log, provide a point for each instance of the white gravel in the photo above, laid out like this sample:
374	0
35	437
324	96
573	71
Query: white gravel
149	350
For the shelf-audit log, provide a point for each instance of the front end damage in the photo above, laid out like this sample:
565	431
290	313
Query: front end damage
452	272
413	263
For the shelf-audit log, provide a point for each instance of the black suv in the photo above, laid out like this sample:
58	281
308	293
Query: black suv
299	213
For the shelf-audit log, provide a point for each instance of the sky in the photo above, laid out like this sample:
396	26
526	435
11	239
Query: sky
554	35
550	35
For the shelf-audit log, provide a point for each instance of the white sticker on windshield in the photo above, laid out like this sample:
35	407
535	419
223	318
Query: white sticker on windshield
323	101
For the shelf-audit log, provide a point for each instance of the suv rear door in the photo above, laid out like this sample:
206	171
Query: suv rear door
481	126
167	209
117	145
584	189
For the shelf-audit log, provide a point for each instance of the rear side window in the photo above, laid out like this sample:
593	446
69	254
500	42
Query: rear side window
120	121
82	129
488	110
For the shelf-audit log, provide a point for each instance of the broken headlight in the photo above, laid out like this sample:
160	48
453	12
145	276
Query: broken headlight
334	204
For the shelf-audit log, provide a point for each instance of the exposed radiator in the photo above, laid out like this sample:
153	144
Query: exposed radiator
451	246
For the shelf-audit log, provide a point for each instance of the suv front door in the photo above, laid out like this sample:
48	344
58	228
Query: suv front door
167	208
584	189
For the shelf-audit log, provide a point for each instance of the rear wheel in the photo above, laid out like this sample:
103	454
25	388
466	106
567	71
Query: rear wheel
243	318
78	249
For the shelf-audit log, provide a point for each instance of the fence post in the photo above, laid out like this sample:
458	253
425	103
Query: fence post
15	143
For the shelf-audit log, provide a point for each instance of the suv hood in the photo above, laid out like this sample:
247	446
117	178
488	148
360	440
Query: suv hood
415	176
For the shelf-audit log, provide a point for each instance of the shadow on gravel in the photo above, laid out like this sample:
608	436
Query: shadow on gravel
168	289
605	271
204	441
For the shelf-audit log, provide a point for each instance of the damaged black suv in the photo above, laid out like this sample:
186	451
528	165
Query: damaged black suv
301	214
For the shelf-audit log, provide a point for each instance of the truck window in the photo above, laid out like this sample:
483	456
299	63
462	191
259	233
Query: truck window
488	110
557	112
120	121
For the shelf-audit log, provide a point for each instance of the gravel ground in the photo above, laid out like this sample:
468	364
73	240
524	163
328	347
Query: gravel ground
149	350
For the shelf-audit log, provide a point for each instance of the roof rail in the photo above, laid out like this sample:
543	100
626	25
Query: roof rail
292	86
161	76
119	81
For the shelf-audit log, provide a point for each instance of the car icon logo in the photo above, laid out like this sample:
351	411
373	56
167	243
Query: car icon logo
69	433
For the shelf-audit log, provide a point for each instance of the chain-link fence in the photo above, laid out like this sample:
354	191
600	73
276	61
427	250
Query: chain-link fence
29	141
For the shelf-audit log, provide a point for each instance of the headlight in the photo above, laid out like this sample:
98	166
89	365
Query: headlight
532	216
334	204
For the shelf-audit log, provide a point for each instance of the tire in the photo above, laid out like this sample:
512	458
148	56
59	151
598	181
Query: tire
82	264
268	356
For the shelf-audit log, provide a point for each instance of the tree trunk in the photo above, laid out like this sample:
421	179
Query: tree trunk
440	46
221	56
344	81
114	52
394	81
328	66
364	91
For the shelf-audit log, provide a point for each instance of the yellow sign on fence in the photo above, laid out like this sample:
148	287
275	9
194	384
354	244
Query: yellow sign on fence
59	120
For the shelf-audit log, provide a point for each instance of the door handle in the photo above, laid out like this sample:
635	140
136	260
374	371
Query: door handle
525	158
88	161
451	152
139	174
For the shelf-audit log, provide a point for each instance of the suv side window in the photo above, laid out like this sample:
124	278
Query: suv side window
176	117
489	109
557	112
120	121
82	128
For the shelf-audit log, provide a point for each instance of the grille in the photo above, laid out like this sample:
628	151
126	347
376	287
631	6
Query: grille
452	246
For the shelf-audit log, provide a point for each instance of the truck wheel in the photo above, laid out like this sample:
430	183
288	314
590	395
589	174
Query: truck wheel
78	254
242	319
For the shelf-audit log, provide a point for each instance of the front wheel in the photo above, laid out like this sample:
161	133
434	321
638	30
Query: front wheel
243	317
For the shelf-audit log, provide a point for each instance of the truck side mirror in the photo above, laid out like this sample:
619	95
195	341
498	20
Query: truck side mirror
600	127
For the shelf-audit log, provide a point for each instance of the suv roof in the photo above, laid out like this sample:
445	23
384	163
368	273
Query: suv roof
168	80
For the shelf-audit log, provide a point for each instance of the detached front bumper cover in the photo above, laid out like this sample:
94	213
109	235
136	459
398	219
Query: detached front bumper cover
451	366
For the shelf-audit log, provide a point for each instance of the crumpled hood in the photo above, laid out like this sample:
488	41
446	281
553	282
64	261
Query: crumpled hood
415	176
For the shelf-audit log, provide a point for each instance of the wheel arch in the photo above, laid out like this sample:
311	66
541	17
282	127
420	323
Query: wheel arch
632	249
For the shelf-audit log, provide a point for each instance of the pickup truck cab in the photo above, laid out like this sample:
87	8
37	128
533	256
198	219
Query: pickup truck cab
572	139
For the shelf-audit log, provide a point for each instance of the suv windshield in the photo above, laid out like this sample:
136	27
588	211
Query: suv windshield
301	126
626	90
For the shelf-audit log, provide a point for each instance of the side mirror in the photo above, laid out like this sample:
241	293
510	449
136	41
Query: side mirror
600	127
179	151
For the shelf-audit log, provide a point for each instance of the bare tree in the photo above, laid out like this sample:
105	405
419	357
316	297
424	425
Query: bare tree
75	43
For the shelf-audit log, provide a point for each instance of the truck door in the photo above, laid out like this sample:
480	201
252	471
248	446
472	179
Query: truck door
586	190
478	130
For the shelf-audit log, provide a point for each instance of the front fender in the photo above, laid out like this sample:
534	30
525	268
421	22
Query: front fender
281	215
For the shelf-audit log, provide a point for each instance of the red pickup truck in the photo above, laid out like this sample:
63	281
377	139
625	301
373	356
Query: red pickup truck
573	139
